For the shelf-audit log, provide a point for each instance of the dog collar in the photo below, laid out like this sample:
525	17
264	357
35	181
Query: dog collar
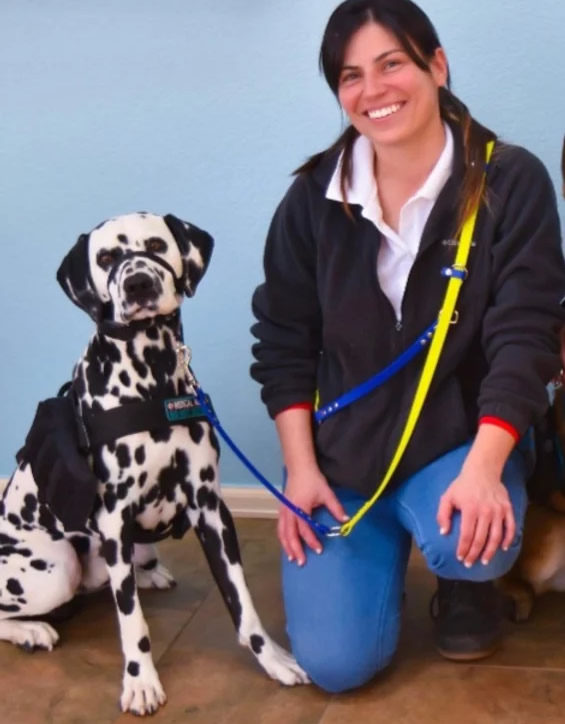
126	332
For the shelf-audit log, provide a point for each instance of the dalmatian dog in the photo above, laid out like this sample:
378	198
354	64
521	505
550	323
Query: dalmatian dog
77	531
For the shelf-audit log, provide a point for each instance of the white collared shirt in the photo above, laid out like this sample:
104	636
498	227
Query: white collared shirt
397	250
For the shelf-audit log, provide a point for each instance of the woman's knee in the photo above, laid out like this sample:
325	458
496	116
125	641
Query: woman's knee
440	552
338	671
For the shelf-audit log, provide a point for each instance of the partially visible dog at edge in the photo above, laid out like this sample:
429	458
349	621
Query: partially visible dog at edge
106	471
540	567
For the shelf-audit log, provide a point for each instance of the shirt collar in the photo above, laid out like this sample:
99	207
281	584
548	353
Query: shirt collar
362	187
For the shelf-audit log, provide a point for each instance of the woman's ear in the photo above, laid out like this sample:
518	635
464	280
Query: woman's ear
439	67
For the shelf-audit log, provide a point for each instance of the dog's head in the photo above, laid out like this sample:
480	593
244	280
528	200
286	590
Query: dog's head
135	266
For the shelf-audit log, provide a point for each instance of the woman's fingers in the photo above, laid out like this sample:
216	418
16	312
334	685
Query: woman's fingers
509	528
494	539
480	536
291	532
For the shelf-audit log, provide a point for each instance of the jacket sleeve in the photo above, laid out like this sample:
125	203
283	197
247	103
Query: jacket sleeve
286	306
521	324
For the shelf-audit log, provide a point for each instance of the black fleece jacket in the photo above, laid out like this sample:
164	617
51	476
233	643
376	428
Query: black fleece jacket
324	322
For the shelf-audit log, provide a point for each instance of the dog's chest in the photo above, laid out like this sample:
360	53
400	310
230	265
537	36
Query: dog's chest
160	478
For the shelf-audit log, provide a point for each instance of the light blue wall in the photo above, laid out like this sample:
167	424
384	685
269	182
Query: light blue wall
202	109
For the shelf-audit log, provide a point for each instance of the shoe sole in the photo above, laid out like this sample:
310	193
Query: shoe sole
467	655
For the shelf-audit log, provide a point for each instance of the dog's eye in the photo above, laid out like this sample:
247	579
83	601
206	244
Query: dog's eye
106	257
156	245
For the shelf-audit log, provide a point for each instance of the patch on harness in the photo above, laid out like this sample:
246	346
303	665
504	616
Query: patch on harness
185	408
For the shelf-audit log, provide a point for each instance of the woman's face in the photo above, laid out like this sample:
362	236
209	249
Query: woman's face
387	97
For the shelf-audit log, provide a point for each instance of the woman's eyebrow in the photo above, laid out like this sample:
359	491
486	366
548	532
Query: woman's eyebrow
379	57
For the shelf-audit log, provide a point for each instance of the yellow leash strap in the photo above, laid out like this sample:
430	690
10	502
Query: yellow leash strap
447	316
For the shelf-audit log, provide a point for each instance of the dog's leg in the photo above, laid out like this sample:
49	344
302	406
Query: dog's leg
149	571
142	692
216	532
37	575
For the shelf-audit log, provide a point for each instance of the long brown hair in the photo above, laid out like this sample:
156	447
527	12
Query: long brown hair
419	39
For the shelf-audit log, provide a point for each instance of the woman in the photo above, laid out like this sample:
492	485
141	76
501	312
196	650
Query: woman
353	264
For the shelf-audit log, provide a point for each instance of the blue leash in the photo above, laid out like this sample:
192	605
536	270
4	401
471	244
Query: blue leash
323	413
320	415
202	398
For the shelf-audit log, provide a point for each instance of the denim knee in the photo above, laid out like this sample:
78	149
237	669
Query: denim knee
342	669
440	555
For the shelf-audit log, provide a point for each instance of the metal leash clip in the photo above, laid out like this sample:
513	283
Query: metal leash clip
334	532
184	356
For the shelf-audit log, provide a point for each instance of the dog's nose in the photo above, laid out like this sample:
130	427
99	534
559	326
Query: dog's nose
139	287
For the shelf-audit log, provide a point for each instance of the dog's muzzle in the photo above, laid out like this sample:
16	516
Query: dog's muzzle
140	286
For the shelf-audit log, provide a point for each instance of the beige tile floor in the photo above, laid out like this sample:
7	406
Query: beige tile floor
209	679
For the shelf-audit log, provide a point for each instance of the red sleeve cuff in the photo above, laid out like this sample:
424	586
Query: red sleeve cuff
298	406
501	423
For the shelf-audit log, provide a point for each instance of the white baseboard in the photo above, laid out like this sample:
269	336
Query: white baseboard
247	501
250	501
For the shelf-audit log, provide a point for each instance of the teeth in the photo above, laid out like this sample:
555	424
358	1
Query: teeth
384	112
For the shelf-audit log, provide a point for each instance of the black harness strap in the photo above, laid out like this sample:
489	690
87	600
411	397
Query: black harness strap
105	426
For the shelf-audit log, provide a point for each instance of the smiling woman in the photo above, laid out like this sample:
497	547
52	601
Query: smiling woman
355	266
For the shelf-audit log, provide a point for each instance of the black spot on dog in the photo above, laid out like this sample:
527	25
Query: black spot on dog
139	455
133	668
229	535
124	378
115	391
152	333
126	534
144	645
212	546
196	431
142	479
14	520
138	365
110	499
257	642
38	564
11	608
99	362
30	506
206	498
207	474
162	435
124	595
122	238
122	491
12	551
6	540
81	544
171	477
150	565
109	551
14	587
123	456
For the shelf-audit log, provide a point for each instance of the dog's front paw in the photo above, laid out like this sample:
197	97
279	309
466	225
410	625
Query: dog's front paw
142	694
30	635
158	577
277	662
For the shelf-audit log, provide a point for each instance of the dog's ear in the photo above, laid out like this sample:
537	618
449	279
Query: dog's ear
195	247
73	275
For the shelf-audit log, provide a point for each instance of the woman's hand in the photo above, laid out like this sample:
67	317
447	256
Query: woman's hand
307	490
487	518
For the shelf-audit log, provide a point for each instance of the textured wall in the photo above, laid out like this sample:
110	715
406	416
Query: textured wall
201	109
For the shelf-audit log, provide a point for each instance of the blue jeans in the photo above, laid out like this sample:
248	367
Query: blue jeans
343	607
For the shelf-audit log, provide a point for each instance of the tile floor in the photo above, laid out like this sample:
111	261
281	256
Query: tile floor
209	679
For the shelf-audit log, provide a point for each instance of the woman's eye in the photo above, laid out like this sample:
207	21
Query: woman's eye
348	77
391	64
